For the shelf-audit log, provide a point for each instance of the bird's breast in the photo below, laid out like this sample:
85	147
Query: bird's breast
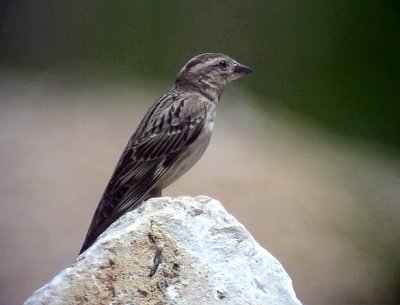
210	119
193	153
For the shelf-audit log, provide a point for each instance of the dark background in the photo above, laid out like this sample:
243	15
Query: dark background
333	64
335	61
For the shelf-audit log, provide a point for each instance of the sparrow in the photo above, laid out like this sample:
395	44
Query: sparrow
169	140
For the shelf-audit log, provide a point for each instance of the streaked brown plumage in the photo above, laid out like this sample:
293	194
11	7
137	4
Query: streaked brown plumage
170	139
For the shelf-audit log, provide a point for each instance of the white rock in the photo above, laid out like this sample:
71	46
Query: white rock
172	251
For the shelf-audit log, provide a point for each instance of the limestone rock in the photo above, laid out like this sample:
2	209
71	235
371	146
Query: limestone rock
172	251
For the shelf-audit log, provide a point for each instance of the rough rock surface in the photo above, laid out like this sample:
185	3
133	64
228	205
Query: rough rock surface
172	251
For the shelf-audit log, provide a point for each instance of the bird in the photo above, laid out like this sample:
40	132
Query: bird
170	139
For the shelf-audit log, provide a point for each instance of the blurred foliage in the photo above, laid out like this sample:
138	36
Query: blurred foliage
336	62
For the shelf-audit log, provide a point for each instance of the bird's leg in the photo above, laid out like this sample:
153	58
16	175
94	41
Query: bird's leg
155	192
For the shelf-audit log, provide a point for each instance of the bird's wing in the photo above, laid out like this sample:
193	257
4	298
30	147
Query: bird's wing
169	127
153	152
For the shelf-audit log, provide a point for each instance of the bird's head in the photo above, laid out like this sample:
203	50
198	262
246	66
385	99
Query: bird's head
210	71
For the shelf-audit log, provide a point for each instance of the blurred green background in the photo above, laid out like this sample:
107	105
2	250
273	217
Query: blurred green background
337	62
333	64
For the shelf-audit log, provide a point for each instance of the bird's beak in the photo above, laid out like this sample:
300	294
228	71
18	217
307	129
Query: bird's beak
241	69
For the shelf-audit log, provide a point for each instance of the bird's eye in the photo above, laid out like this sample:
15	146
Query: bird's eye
223	64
